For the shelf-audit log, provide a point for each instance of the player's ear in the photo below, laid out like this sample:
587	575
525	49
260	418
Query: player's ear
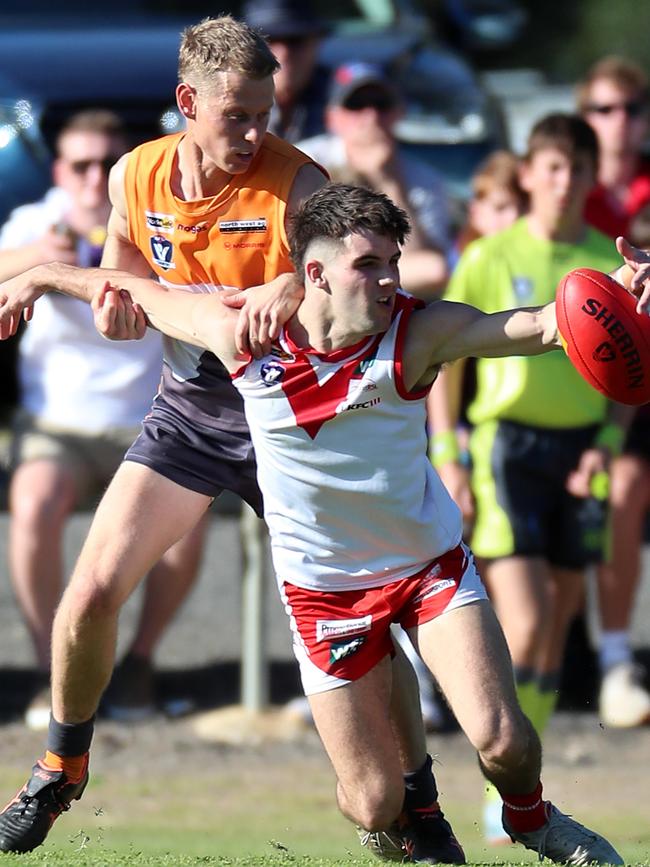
186	100
314	272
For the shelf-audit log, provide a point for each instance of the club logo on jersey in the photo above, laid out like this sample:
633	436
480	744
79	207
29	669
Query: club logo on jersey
271	372
162	251
329	629
340	649
157	222
522	287
230	226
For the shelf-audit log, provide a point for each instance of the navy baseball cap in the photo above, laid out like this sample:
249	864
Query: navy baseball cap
283	19
350	77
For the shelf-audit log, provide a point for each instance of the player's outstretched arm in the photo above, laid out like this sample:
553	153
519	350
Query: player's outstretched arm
200	319
446	331
19	294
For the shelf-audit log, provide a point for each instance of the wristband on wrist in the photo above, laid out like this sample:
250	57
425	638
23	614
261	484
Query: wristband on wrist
443	448
611	436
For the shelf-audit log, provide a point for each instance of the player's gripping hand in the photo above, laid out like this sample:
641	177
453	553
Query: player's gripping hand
263	310
635	273
117	316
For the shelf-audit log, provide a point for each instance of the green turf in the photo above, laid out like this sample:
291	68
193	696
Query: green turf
255	814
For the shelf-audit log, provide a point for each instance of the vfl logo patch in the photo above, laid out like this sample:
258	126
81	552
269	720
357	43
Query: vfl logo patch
604	352
230	226
328	629
271	372
339	650
157	222
162	251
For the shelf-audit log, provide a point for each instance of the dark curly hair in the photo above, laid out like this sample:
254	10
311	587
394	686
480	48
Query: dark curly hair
337	210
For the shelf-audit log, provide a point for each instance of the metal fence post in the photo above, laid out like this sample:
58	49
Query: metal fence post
254	665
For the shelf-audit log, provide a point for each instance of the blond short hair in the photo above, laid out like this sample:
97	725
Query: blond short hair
223	45
98	120
624	73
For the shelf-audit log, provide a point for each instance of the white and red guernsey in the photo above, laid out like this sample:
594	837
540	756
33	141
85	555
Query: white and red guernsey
350	497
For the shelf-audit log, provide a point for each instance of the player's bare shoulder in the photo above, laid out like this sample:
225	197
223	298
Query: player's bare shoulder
309	178
116	191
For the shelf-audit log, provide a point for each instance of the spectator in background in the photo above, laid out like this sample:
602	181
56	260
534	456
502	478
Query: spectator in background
614	98
360	147
81	402
294	34
497	199
541	433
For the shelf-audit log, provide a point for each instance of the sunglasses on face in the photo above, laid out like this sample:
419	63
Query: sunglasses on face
81	167
378	101
632	108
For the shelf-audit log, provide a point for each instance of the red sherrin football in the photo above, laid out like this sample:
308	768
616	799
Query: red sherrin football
606	339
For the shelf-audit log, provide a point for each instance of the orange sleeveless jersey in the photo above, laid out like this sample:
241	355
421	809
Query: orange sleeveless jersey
236	238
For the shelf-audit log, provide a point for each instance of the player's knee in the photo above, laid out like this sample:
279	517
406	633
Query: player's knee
39	512
378	815
510	740
92	595
376	811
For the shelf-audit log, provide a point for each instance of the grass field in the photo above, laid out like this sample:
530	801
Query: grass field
160	796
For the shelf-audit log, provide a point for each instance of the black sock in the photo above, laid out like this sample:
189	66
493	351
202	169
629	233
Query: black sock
420	785
70	739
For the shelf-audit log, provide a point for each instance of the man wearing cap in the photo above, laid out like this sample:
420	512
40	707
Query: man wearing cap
294	33
360	146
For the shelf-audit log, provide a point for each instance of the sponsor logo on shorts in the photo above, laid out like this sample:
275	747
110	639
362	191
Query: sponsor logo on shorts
162	251
271	372
329	629
158	222
620	336
340	649
438	586
230	226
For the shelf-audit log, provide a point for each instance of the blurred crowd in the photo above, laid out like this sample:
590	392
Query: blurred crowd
553	482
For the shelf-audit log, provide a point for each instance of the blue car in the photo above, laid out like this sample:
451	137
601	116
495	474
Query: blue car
57	59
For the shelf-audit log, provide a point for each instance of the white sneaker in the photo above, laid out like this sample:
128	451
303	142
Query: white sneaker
566	841
624	702
389	845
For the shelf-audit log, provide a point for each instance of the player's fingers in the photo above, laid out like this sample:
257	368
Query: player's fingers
233	298
105	313
28	312
241	332
140	322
